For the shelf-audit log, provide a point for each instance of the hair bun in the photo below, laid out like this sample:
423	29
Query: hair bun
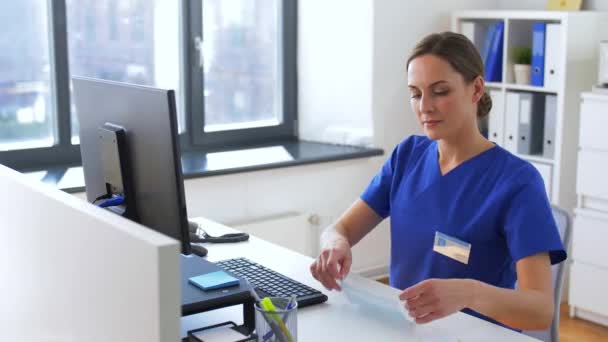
484	106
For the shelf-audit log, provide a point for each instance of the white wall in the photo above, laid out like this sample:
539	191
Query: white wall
335	70
594	5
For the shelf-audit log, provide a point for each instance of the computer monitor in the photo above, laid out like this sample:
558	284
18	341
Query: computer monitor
152	176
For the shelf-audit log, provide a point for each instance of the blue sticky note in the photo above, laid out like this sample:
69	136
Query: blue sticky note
214	280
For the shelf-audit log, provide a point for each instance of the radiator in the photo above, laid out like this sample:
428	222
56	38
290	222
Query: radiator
293	230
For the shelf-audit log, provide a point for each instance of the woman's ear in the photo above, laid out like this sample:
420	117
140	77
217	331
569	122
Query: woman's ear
478	88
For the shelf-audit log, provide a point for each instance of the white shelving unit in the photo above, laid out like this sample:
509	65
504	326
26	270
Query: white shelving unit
576	70
589	269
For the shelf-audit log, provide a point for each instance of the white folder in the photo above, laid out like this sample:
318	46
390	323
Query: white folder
496	124
512	121
475	32
553	56
550	126
525	124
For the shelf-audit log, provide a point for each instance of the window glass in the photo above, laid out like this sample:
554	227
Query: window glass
26	109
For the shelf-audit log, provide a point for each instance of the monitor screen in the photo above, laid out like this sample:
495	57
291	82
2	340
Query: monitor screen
148	117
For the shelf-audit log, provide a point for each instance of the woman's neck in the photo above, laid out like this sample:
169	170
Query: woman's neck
453	152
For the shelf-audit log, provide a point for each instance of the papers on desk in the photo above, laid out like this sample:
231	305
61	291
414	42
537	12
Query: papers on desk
222	333
375	298
380	301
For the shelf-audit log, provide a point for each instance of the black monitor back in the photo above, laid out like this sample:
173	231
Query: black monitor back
149	117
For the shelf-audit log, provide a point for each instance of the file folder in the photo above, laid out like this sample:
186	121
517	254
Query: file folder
496	119
493	67
531	123
538	54
487	43
476	33
553	56
511	121
550	122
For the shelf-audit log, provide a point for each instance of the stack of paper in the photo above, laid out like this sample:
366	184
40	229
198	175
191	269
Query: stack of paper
376	298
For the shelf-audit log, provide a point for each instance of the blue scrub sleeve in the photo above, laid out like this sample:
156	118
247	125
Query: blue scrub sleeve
377	193
529	224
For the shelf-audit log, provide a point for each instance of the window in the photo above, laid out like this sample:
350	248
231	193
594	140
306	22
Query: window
240	92
244	79
26	113
232	64
120	51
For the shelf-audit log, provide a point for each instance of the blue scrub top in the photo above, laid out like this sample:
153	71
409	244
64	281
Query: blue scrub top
495	201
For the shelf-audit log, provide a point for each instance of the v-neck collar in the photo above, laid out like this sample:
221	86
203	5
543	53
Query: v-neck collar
461	165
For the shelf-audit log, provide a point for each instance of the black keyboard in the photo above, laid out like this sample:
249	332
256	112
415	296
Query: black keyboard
269	283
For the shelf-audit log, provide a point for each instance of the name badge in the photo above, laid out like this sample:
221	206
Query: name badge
452	247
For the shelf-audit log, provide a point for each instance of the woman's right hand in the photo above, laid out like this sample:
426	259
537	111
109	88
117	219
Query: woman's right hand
332	264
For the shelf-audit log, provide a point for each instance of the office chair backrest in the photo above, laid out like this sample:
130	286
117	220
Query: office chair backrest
564	226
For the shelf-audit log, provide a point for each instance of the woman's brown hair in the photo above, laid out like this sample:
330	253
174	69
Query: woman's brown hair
462	55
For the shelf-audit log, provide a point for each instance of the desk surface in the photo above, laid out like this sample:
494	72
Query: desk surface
336	320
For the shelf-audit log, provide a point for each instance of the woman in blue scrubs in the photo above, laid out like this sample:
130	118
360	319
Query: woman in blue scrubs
468	218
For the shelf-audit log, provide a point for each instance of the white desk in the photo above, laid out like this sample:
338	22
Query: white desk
336	320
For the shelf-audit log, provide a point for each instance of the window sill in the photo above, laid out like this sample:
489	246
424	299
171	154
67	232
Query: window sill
197	164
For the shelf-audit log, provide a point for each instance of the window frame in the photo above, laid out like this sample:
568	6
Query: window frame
289	87
63	153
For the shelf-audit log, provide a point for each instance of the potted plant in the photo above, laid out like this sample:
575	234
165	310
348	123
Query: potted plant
522	56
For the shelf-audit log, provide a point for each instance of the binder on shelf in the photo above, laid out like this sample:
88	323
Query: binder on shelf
475	32
496	119
531	123
538	54
487	43
493	67
550	126
511	121
553	56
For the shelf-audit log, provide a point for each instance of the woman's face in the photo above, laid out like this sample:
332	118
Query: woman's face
444	103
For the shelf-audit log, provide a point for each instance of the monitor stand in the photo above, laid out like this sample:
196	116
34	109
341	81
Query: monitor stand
195	300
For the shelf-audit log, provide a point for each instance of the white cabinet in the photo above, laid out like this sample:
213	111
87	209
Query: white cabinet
594	122
588	292
589	271
571	54
592	180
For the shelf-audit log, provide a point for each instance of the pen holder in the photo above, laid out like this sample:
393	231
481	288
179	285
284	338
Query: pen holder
280	324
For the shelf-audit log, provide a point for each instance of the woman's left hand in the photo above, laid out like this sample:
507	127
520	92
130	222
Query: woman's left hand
436	298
